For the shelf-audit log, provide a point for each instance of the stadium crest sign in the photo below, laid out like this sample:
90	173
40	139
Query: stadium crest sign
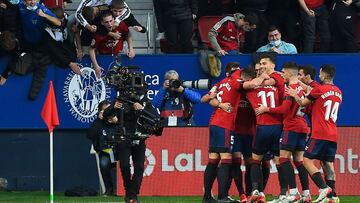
82	94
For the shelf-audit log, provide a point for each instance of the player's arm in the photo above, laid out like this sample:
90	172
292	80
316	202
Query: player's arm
226	106
207	97
255	82
292	92
283	109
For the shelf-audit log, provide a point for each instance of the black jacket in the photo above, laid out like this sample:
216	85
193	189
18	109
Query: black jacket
174	10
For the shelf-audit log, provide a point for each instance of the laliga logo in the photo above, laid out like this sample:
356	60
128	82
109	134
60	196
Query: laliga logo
149	163
82	93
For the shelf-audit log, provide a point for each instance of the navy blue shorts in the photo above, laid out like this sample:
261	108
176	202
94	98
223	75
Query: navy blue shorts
322	150
292	141
242	143
267	139
221	140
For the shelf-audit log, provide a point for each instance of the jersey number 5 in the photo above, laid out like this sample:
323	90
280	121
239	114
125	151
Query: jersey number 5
263	95
331	111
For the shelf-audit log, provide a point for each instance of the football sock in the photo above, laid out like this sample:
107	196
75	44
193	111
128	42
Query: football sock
209	176
256	175
288	172
331	183
303	175
265	169
237	175
282	181
318	180
248	179
223	177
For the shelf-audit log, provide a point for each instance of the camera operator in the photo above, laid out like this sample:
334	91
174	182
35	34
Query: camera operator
176	102
97	133
134	145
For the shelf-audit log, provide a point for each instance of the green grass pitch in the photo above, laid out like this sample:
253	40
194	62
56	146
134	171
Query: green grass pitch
42	197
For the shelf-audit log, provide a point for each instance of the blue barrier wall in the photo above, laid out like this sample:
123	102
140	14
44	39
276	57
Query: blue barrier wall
77	111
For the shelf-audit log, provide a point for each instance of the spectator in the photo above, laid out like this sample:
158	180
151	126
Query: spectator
9	44
256	37
59	48
175	102
285	15
315	17
343	18
224	36
34	18
106	44
276	44
9	18
175	18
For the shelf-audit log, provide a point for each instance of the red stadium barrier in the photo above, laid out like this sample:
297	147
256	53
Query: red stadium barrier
176	162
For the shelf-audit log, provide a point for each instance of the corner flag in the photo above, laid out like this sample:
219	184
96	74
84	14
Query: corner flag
50	116
49	111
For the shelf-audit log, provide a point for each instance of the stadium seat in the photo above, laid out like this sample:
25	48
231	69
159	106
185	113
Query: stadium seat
205	23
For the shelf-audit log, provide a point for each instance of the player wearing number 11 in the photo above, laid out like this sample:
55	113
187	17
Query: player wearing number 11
326	101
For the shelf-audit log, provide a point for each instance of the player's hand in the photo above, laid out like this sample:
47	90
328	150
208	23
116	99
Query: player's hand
222	52
265	76
226	107
261	109
213	95
138	106
166	84
290	91
116	35
118	105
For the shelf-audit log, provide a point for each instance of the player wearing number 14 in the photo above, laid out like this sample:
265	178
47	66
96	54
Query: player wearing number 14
326	101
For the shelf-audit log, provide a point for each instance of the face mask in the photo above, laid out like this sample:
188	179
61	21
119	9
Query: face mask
275	43
14	2
32	8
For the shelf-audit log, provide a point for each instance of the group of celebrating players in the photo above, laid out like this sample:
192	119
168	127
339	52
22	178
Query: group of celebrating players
259	113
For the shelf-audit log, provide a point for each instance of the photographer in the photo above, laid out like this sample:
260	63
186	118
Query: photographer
176	102
134	144
98	133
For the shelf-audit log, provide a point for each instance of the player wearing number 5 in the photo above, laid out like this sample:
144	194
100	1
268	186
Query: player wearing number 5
326	101
224	97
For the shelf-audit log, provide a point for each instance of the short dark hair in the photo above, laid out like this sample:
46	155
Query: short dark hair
8	41
290	65
109	112
270	56
272	28
88	13
248	72
252	19
102	104
105	14
329	69
308	70
230	66
119	4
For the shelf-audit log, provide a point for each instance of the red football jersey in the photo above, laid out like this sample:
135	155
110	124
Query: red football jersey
267	96
308	108
314	84
228	90
245	122
326	102
108	45
293	114
279	84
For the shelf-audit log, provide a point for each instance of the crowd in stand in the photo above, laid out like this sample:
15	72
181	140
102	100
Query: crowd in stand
35	36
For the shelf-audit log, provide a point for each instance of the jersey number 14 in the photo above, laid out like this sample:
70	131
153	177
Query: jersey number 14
331	110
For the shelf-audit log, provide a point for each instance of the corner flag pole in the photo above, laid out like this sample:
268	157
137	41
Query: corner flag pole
50	116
